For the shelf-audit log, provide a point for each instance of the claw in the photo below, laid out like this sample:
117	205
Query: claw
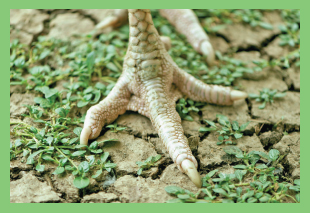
207	50
191	171
167	42
107	22
86	131
237	95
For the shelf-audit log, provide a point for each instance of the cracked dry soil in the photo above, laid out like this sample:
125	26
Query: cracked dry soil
140	140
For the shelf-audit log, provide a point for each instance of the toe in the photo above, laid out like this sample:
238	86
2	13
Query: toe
86	132
237	95
191	171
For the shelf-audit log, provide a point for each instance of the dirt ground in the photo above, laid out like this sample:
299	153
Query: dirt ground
277	126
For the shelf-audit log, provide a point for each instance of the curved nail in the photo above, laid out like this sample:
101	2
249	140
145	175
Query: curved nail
107	22
237	95
191	171
207	50
86	131
167	42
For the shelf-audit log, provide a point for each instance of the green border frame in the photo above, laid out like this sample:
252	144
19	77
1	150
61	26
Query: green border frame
91	4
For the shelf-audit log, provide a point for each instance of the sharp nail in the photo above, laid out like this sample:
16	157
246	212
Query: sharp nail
107	22
207	50
237	95
191	171
86	131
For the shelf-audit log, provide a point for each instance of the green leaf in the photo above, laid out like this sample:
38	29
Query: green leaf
104	157
239	174
59	170
18	143
112	67
82	103
90	60
262	154
174	190
220	191
262	106
40	168
77	131
25	152
183	196
297	182
81	182
279	95
140	171
47	158
266	25
274	154
36	153
174	201
264	199
252	200
238	135
157	157
210	174
243	126
110	165
235	125
84	167
61	111
211	123
298	197
227	201
232	150
206	129
78	153
240	167
97	173
45	53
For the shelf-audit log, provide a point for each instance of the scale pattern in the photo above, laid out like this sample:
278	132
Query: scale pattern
151	83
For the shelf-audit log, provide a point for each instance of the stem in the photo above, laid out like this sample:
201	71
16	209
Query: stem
242	184
71	161
291	197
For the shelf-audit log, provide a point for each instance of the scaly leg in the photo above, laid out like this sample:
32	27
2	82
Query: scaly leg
146	86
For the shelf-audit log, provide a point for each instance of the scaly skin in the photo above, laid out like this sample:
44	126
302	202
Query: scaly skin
151	83
185	22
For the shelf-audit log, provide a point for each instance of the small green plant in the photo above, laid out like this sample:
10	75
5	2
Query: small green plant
184	106
115	128
228	70
228	130
253	17
148	163
261	186
284	61
49	144
290	34
266	96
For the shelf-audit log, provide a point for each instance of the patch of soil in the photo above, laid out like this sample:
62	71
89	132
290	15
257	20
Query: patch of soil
127	151
28	20
29	189
17	101
251	37
211	155
287	107
290	145
68	24
236	112
100	197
